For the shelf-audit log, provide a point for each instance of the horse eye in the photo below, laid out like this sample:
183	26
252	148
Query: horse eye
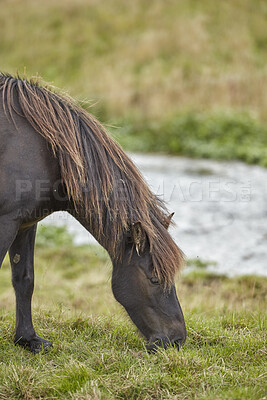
154	280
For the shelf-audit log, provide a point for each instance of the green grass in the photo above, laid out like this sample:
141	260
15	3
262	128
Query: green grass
223	136
98	352
147	58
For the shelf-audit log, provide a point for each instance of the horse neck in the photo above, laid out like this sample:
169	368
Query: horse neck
84	222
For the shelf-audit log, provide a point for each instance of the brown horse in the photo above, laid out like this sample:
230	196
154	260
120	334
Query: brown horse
56	156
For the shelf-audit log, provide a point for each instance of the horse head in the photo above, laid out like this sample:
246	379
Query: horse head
151	303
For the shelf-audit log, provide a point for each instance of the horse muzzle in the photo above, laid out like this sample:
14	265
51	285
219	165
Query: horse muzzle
164	343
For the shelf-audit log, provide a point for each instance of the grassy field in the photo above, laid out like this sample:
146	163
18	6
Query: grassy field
181	77
152	58
98	353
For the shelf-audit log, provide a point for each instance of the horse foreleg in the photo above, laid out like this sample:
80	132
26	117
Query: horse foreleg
21	255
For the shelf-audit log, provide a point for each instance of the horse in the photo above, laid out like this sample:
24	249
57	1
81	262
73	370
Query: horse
56	156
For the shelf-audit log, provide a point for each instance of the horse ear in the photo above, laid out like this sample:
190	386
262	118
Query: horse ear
139	237
168	220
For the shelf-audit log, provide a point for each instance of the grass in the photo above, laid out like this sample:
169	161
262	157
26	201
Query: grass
223	136
98	352
148	58
180	77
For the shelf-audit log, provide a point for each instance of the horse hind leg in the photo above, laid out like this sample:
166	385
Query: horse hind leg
21	255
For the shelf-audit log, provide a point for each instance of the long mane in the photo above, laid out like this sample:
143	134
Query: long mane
100	179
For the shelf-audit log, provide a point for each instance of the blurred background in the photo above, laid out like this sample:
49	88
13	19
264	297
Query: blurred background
144	60
180	80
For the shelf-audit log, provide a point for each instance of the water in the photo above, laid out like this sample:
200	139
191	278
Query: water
220	210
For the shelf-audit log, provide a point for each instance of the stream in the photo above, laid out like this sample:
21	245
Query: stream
220	211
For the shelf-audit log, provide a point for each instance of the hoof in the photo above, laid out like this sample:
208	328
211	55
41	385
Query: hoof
35	345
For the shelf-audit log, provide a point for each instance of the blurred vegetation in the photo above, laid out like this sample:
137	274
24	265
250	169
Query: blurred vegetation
53	236
225	136
182	77
97	352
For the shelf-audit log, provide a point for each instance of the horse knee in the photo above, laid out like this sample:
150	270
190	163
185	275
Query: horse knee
23	281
